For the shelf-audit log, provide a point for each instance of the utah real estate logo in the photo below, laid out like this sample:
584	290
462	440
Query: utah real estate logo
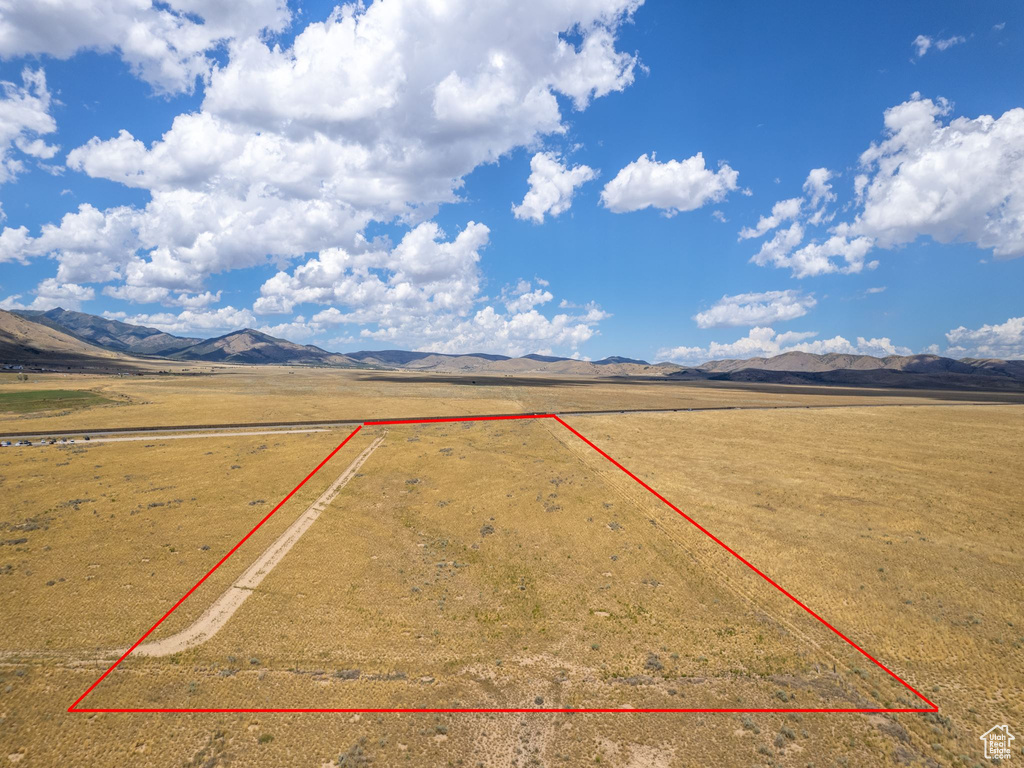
997	742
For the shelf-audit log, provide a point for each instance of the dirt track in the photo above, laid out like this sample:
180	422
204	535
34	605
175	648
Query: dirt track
217	615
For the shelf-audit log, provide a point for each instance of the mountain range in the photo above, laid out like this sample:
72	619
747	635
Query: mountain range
76	339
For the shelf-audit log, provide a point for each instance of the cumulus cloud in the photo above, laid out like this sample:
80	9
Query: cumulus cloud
811	210
157	295
374	114
552	186
817	192
756	309
923	43
489	330
817	187
1005	340
200	322
24	117
765	342
673	186
51	293
835	255
524	297
426	293
423	274
298	330
166	43
956	181
782	211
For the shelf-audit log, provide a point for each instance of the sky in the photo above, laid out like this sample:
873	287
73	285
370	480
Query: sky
660	180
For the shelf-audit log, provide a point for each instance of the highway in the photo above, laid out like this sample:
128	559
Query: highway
290	427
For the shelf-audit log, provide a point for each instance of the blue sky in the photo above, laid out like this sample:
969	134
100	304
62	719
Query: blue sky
582	179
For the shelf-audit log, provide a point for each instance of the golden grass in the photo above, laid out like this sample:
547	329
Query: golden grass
247	394
100	540
501	568
897	525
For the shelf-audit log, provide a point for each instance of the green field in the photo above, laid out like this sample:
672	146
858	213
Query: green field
48	400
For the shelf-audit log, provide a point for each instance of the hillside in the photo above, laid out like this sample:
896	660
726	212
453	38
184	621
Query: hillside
23	342
919	371
254	347
100	336
111	334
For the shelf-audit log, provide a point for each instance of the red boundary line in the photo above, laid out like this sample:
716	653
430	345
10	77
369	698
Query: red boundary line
932	707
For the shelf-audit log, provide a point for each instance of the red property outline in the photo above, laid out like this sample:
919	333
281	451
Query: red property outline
932	707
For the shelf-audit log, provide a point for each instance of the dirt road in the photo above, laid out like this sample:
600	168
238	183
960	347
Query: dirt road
217	615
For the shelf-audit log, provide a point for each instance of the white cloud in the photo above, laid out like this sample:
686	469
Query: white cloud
837	254
370	115
39	149
24	113
524	297
784	210
765	342
298	330
756	309
420	276
817	192
817	186
673	186
924	43
51	293
153	295
164	43
1005	340
821	258
200	322
552	186
961	181
491	331
424	293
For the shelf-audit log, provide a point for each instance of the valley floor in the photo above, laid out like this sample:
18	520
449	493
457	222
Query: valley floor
508	565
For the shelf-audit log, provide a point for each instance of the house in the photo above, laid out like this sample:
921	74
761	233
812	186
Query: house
997	742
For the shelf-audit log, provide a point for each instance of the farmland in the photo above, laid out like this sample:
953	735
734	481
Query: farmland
33	401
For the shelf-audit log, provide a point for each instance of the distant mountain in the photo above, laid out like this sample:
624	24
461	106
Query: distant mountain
401	357
615	360
98	335
27	343
256	348
112	334
893	371
805	362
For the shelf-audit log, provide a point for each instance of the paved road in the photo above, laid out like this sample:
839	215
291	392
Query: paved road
159	436
282	427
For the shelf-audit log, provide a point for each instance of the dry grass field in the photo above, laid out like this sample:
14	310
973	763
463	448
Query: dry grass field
508	565
249	394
